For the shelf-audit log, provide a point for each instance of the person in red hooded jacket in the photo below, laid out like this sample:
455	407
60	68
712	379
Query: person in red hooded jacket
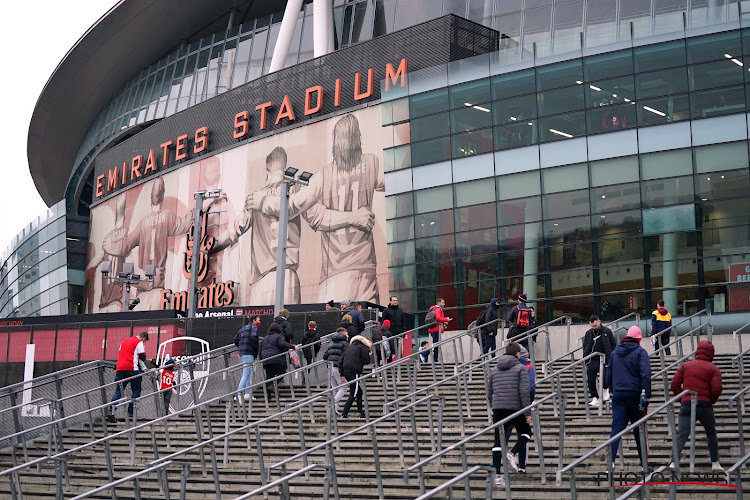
703	377
442	320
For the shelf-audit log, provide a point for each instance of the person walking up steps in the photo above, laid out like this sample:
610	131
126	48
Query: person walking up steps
513	459
661	320
508	392
248	344
703	377
351	365
436	315
333	354
598	338
520	319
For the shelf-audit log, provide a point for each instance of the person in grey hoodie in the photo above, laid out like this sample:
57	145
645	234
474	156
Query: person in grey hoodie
508	392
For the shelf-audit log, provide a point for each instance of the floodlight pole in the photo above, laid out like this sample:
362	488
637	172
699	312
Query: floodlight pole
126	294
193	295
278	303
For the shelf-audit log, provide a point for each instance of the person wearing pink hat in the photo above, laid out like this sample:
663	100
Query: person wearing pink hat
628	375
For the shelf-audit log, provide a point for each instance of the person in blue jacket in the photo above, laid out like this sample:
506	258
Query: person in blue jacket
628	375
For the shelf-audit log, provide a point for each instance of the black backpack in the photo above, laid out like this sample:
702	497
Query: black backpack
481	317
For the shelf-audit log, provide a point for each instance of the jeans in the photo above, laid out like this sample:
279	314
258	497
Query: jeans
624	411
247	374
135	387
336	382
524	430
592	369
436	350
490	342
167	400
355	392
704	413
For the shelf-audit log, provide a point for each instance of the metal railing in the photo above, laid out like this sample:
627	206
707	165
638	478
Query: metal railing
556	381
641	423
740	358
736	471
663	372
504	445
689	321
490	471
739	408
529	336
283	482
160	470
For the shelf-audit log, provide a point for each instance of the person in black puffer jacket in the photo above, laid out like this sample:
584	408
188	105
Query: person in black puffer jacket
346	322
333	354
352	364
271	352
286	327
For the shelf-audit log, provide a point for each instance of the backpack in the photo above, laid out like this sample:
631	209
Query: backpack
523	318
480	318
429	317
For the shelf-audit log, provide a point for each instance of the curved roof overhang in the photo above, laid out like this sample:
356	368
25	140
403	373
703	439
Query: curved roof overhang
131	36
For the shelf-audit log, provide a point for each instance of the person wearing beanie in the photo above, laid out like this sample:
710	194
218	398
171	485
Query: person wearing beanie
331	306
520	319
488	322
629	374
703	377
598	338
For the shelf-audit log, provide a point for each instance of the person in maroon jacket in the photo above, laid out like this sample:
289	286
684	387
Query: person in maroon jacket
703	377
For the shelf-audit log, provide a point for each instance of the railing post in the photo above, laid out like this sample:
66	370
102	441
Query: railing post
561	433
693	405
538	443
600	384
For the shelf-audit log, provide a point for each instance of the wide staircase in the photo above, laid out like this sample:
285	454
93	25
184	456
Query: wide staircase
438	406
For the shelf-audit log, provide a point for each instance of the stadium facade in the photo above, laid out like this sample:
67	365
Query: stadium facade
593	154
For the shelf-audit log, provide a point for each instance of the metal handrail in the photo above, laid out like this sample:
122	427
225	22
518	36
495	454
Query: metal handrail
556	377
501	424
688	319
737	334
134	477
738	476
464	475
579	348
8	389
740	412
283	482
679	339
668	405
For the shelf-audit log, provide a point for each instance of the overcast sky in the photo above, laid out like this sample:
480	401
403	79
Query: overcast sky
35	38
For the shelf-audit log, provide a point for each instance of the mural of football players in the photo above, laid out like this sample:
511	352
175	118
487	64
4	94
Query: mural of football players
111	296
345	188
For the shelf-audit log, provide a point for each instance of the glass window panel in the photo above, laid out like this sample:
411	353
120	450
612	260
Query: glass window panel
430	151
397	158
717	241
515	109
257	54
601	12
472	143
685	273
724	213
621	278
519	211
727	184
567	230
518	185
569	256
428	102
457	7
384	17
713	47
520	236
434	223
568	20
717	102
476	242
567	204
516	135
664	82
580	282
666	164
562	127
406	13
670	191
474	192
620	251
664	110
471	117
608	65
619	197
609	92
510	26
513	84
400	229
476	217
402	277
430	126
669	219
614	171
611	118
562	100
430	9
715	74
472	93
429	200
362	25
559	75
537	25
721	157
435	273
399	205
653	57
512	263
565	178
401	253
440	247
505	6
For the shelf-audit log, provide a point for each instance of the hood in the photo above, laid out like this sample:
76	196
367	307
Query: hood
495	302
345	323
339	337
391	306
361	339
663	311
506	362
705	351
433	308
279	319
625	348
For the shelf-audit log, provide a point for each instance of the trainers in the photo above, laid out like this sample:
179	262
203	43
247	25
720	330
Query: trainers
521	470
362	415
111	418
594	402
512	461
607	395
672	466
613	466
246	397
716	466
499	480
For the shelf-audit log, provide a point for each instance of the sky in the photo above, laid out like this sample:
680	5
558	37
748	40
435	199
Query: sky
36	37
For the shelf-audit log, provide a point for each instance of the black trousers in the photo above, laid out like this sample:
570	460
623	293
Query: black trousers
704	413
592	369
355	393
663	340
524	430
272	371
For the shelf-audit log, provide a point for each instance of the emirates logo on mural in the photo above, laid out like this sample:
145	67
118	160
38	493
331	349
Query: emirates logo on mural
206	244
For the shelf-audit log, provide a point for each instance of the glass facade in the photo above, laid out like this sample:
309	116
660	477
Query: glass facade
597	184
34	273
